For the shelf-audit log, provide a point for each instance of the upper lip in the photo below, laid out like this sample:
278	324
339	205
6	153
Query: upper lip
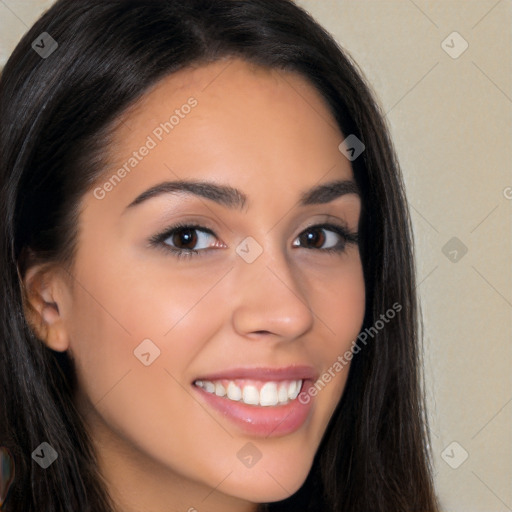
295	372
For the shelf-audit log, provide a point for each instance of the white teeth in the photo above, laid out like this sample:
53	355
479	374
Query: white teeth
270	394
293	390
220	390
251	395
209	386
282	394
234	392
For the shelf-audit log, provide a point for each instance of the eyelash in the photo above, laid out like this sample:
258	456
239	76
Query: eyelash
158	240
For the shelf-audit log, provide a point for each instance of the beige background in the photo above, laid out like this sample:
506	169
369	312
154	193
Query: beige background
451	120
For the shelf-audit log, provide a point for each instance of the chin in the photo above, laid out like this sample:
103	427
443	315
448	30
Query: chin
264	485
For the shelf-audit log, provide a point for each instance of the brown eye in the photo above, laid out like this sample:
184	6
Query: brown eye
313	237
323	238
185	238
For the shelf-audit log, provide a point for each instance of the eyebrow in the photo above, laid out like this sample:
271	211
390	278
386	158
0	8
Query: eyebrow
234	198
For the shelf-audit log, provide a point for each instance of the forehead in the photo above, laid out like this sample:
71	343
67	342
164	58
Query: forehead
227	81
230	120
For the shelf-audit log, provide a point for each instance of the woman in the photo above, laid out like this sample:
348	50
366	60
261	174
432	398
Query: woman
208	277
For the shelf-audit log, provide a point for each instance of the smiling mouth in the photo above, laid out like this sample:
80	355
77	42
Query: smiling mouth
254	392
260	401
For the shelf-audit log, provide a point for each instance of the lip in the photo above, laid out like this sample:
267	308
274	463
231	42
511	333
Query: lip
259	420
294	372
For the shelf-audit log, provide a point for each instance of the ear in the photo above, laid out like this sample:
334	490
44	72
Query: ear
45	297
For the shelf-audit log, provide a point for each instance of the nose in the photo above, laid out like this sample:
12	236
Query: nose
268	299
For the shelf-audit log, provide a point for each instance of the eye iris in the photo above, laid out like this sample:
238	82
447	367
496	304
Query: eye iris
315	238
184	237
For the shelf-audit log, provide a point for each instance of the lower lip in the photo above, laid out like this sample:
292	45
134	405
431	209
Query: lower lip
270	421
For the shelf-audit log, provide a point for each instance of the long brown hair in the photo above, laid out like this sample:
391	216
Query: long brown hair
55	115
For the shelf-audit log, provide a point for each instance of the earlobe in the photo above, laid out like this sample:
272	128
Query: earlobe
43	307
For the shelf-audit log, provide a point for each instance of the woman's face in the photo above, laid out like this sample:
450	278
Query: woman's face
273	295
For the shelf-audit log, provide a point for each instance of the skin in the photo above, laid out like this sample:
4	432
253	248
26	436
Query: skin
271	135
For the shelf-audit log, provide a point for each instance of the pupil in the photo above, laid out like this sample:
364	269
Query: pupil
184	237
315	237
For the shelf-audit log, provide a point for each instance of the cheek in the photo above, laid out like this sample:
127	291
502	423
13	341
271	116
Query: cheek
173	318
337	299
117	312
